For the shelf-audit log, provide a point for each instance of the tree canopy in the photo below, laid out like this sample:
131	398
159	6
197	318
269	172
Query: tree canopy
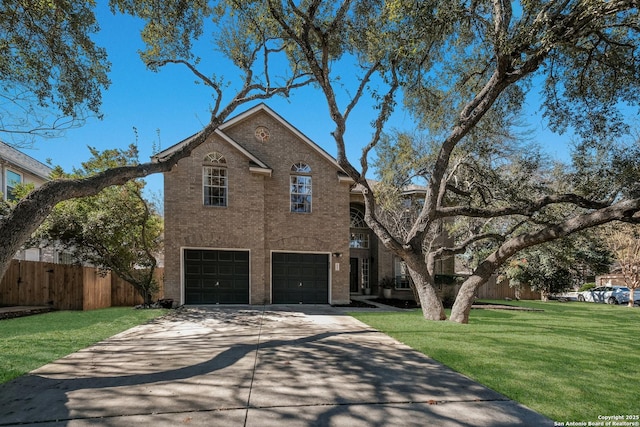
560	265
52	74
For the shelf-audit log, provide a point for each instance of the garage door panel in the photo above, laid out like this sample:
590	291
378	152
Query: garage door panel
308	271
192	255
207	255
294	271
226	270
225	256
227	283
239	270
208	285
192	269
241	256
216	277
209	269
279	270
191	282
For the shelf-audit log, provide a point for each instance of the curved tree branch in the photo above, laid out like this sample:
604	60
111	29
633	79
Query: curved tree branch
620	211
526	210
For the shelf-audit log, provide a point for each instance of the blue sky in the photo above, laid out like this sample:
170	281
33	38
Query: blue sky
170	103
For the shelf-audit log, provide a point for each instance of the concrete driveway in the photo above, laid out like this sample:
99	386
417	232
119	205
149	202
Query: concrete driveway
254	366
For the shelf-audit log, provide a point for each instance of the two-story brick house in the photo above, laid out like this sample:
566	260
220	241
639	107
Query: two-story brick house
259	214
18	168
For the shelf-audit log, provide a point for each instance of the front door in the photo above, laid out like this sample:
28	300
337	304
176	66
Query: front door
354	282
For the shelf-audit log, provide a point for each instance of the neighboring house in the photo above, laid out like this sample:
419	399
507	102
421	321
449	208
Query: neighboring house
261	214
18	168
614	278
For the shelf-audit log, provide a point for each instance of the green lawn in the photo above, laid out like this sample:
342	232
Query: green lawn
571	362
27	343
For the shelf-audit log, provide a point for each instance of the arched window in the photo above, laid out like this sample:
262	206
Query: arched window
215	183
301	167
359	233
357	219
300	188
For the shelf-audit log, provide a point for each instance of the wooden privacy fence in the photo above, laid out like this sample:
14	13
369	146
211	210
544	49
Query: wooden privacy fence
67	287
501	290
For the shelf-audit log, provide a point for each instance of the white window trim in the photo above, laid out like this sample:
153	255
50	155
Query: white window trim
300	170
215	161
206	174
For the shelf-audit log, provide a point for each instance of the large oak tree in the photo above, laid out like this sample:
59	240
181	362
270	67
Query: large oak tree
464	69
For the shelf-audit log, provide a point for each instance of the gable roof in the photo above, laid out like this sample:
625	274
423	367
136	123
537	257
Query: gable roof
264	108
241	117
166	153
26	163
240	148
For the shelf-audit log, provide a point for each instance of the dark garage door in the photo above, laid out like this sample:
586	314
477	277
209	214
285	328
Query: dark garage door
216	277
300	278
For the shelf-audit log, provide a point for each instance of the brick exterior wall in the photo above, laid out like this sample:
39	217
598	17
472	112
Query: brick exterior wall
257	217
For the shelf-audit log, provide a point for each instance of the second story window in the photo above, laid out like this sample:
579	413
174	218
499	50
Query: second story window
359	232
215	182
300	188
12	179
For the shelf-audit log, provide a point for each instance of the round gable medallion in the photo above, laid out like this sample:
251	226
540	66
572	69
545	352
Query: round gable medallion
262	134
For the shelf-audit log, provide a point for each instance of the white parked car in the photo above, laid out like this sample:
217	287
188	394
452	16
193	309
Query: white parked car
609	295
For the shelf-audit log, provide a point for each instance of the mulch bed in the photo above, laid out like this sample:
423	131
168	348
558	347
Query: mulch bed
355	303
398	303
489	306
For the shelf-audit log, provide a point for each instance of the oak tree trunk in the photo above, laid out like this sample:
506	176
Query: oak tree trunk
432	308
465	299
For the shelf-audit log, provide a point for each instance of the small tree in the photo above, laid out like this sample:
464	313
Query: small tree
557	266
624	242
116	229
540	273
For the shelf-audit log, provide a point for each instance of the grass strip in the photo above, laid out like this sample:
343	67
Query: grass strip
26	343
571	362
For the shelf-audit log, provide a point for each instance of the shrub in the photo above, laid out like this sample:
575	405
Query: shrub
586	287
